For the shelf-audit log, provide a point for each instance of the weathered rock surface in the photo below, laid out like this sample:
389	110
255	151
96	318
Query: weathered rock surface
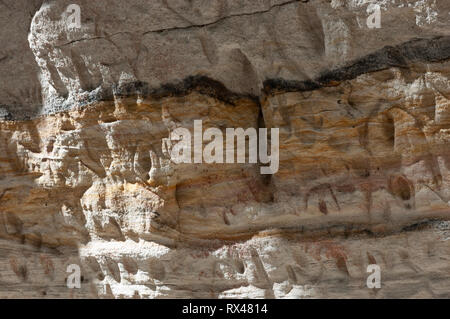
86	177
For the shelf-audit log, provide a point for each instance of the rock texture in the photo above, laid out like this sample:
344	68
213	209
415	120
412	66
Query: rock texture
86	176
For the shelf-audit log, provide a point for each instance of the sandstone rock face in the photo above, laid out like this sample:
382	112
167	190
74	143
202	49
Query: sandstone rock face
86	175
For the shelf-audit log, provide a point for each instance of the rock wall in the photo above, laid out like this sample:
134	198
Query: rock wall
86	175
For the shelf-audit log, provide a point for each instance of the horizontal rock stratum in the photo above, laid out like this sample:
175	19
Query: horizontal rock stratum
86	176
